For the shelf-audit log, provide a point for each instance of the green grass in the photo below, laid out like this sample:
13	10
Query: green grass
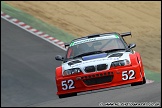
153	75
36	23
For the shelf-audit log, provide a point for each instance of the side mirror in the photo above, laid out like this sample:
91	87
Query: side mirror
66	44
130	46
59	58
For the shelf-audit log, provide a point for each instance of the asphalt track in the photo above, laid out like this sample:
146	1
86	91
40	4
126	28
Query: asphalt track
27	76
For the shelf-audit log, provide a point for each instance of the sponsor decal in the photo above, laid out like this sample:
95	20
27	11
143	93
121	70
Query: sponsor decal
105	36
117	36
72	43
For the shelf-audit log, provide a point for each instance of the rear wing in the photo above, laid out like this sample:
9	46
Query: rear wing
96	35
126	34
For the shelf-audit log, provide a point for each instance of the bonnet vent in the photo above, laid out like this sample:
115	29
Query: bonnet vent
116	55
74	62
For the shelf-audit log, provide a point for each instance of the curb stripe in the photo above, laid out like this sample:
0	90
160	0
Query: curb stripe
45	35
149	81
27	26
17	21
41	34
14	19
7	16
2	14
23	25
34	31
30	28
20	23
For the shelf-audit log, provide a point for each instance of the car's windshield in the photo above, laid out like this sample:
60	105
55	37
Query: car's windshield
96	45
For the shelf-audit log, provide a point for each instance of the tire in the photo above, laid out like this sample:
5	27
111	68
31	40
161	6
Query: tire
139	83
67	95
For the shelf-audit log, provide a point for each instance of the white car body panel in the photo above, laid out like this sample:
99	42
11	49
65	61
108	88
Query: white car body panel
104	60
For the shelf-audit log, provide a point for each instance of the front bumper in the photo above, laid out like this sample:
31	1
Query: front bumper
98	80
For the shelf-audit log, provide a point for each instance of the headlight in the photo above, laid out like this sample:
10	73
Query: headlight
120	63
71	71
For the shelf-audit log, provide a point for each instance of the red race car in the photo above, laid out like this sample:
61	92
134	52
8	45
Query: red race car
98	61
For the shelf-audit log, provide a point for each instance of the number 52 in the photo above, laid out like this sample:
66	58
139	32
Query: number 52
126	75
69	84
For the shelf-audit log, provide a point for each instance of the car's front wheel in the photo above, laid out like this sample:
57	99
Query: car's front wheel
67	95
139	83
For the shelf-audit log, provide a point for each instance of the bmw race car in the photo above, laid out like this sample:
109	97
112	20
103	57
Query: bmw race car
98	61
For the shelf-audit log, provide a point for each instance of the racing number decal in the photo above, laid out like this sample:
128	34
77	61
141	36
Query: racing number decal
126	75
69	84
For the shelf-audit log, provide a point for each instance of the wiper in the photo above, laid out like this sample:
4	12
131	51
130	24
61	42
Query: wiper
113	50
88	53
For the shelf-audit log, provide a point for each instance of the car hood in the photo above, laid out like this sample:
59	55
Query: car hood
95	59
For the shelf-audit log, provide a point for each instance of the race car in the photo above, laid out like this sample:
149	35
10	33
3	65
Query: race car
98	61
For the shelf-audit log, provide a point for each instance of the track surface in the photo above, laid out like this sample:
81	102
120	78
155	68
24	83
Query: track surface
27	75
28	64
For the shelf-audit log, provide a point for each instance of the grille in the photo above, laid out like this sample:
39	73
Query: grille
101	67
90	69
98	80
97	68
